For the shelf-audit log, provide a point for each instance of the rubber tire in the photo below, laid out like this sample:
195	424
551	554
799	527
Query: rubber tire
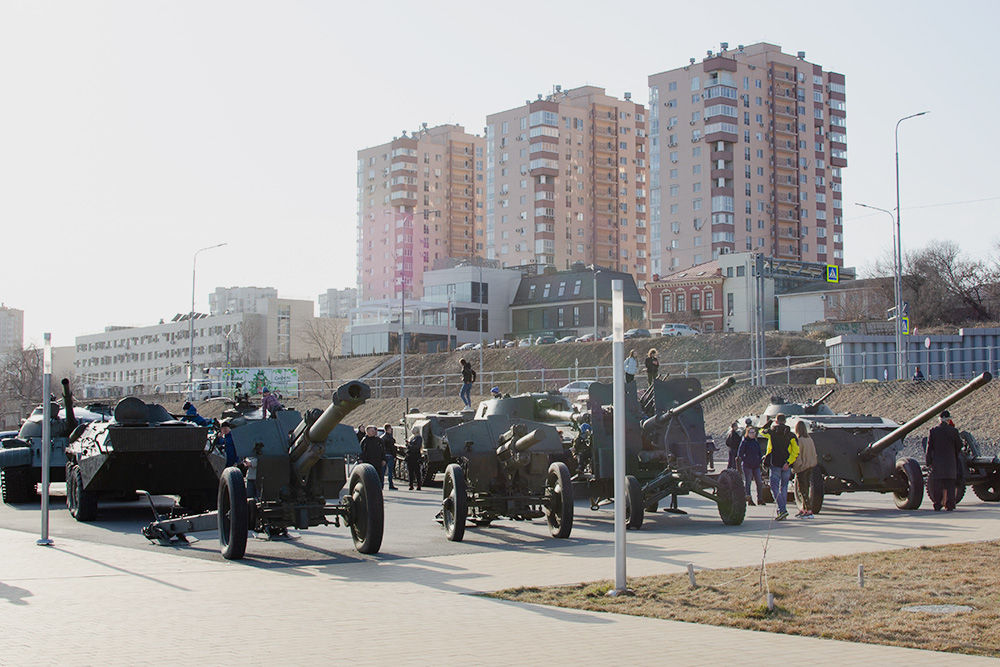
989	490
18	485
82	504
559	511
633	501
455	503
817	489
233	514
909	470
368	515
731	498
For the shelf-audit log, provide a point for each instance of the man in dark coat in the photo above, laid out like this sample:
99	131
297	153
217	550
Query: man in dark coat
944	447
373	452
389	445
733	440
414	454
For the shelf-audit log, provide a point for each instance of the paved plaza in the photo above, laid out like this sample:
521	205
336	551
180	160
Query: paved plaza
94	600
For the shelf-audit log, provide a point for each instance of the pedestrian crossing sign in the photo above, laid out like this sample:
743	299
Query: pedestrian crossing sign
906	325
832	274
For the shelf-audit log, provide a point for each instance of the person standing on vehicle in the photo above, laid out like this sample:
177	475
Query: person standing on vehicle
749	456
733	439
414	455
269	404
944	458
468	377
373	452
782	450
389	445
631	366
803	469
652	365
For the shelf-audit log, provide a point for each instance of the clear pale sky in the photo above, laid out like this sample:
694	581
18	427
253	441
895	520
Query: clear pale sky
134	133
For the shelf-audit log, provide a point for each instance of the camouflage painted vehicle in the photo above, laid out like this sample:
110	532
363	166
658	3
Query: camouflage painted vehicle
667	452
300	470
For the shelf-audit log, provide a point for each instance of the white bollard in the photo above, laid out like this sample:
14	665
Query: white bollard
861	576
694	584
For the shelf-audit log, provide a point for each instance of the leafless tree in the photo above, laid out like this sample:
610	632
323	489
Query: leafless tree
243	343
946	287
322	337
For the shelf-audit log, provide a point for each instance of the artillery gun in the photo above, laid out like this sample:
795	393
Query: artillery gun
982	473
859	452
666	451
141	447
300	467
503	467
21	455
432	427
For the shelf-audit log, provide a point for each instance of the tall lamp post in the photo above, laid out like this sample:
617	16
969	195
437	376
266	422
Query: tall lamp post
480	326
194	266
897	289
594	268
899	242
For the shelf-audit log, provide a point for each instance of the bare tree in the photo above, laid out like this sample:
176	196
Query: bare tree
945	287
21	373
322	337
243	343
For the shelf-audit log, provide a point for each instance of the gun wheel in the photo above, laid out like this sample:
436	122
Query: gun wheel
559	508
455	502
908	472
233	515
633	503
731	498
990	489
82	504
368	509
812	500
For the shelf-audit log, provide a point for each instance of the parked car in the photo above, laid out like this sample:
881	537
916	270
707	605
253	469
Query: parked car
524	342
545	340
677	330
567	339
464	347
637	333
585	338
609	337
576	387
509	344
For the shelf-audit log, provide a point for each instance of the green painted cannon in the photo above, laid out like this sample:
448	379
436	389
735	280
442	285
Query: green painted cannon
666	450
300	470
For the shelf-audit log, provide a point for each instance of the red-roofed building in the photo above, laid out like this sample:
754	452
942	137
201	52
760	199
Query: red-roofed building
692	296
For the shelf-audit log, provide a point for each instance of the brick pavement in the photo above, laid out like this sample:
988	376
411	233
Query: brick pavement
85	603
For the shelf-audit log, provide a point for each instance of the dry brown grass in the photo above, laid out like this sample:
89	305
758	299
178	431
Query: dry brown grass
821	598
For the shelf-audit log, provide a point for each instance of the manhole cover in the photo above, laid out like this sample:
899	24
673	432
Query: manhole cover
939	608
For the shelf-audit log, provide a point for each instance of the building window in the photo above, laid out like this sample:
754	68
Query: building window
667	303
709	300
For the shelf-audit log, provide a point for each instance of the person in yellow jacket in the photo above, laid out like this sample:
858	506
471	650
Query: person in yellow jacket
782	450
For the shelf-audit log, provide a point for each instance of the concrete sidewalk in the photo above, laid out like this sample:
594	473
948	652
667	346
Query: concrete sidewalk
86	603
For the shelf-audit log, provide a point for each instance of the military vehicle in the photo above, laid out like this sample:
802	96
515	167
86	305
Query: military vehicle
144	448
300	470
432	427
666	450
980	472
21	455
504	467
861	452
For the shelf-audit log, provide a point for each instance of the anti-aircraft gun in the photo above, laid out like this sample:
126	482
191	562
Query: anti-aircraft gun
300	467
859	452
666	450
504	467
21	456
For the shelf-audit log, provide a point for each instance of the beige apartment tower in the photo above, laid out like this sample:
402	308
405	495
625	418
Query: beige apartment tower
420	199
566	183
746	152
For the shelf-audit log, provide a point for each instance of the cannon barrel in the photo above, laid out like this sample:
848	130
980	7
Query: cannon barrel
877	447
659	421
820	400
68	404
511	445
308	441
551	414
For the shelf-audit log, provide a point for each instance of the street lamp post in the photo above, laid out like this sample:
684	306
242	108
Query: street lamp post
899	251
194	266
897	289
596	271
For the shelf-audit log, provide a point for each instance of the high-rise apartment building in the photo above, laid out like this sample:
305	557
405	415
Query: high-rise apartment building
419	199
11	330
338	302
240	299
566	182
746	152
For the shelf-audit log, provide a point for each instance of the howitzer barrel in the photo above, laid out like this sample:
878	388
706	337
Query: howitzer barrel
308	440
662	419
511	445
68	404
822	398
551	414
877	447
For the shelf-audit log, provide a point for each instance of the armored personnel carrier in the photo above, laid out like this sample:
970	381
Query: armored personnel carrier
666	450
21	454
141	447
861	452
432	427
